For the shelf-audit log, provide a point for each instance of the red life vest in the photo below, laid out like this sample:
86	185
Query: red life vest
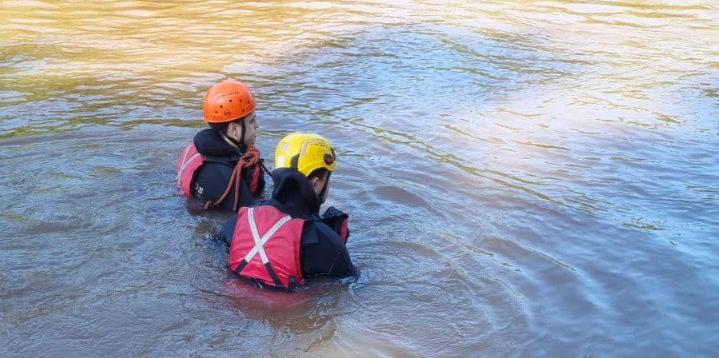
190	160
266	247
344	231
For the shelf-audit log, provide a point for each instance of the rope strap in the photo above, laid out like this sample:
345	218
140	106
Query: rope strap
250	158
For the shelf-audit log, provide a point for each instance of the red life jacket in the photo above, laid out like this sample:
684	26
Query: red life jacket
266	247
190	160
344	232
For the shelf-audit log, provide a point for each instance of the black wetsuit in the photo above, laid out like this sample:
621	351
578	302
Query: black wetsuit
322	252
211	179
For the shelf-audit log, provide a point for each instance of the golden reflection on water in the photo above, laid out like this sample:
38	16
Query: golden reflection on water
153	38
164	41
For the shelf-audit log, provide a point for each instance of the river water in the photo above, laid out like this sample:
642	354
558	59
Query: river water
524	178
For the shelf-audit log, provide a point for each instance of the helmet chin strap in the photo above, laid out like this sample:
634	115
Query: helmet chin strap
322	192
242	137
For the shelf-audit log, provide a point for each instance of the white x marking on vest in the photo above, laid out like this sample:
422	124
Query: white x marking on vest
260	241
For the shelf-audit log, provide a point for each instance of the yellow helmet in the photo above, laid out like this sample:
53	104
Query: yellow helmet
306	152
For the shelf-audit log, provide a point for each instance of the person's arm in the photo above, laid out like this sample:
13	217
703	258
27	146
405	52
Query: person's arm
228	231
323	253
338	221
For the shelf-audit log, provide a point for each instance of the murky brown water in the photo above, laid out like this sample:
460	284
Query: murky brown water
524	178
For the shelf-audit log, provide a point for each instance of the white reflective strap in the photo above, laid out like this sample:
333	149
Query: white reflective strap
256	237
184	153
184	166
260	242
184	156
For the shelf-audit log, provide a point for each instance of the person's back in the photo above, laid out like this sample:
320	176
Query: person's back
283	240
222	162
211	179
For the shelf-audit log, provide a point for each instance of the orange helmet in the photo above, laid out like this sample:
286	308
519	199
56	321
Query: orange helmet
228	101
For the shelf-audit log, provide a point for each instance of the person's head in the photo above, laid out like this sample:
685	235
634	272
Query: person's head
229	108
312	155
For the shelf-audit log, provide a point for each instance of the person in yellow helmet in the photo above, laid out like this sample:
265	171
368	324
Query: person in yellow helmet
282	241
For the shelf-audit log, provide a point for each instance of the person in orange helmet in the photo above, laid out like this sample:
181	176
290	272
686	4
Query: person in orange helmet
222	167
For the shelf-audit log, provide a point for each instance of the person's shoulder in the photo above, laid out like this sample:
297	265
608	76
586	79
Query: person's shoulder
209	143
204	137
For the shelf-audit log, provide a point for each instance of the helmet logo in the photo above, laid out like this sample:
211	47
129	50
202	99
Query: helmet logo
329	159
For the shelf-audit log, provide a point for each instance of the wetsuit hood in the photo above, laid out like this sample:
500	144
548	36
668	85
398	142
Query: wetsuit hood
293	194
209	142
